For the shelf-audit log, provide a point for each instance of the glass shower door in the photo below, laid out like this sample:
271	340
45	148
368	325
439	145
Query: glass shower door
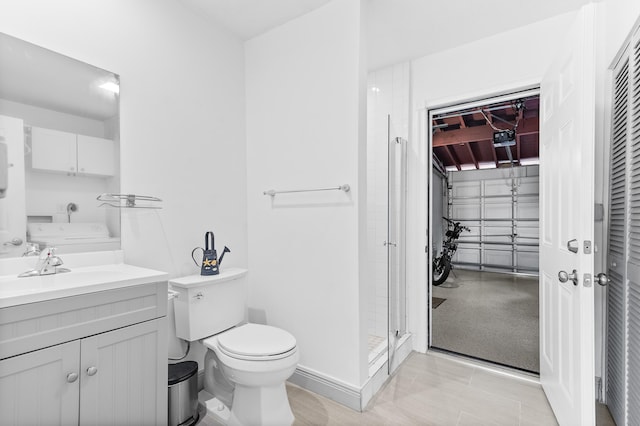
396	283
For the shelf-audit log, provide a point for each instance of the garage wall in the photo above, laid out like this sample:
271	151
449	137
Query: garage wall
500	206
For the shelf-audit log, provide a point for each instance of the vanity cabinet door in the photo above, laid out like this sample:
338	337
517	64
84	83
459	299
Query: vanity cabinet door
41	387
96	156
124	376
53	150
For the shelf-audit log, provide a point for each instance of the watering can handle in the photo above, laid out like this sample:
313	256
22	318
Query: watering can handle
208	237
193	257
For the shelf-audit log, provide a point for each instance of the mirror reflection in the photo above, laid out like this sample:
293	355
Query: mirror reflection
59	150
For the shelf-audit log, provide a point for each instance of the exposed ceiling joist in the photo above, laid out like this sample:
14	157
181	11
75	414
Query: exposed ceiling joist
526	126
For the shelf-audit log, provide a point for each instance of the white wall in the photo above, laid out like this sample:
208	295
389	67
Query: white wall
305	84
182	118
452	76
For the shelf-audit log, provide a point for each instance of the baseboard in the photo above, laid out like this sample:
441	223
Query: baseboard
326	386
345	394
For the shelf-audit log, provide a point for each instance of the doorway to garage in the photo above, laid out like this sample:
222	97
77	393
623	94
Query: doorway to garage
484	228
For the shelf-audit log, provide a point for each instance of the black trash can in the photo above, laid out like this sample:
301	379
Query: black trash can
183	393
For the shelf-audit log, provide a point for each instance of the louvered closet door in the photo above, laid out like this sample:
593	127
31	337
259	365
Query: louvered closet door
633	256
617	294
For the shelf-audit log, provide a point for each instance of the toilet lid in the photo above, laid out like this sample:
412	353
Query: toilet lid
256	340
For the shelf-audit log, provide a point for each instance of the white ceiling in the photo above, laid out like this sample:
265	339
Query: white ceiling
397	30
249	18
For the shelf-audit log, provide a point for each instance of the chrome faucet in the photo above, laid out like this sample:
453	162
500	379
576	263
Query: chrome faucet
48	263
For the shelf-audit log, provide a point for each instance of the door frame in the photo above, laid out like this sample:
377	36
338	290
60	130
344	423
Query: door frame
428	116
419	170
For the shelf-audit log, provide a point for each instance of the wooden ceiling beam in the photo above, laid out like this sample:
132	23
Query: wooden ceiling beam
453	156
473	157
527	126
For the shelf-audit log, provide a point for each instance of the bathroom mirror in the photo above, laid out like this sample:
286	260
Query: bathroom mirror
59	125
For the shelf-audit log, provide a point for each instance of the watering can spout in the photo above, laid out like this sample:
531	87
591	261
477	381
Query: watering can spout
226	250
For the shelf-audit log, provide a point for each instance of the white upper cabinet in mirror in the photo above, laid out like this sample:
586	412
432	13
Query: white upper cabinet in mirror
59	131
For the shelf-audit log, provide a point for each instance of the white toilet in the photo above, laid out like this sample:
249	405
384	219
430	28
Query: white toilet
246	365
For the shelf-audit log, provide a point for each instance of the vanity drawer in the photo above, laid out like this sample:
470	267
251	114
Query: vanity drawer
33	326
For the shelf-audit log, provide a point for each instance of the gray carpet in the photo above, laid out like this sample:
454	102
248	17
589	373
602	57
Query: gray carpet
489	316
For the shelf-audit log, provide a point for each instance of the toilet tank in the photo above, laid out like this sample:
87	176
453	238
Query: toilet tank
207	305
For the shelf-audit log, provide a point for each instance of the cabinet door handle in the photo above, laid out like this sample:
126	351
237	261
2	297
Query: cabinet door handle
92	371
72	377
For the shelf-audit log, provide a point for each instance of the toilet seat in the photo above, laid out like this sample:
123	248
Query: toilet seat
256	342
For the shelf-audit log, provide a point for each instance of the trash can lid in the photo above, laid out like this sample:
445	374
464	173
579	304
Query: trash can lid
182	371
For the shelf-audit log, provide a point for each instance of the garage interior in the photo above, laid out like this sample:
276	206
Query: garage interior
485	176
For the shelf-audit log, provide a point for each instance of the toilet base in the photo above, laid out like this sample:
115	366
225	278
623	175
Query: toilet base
265	405
215	408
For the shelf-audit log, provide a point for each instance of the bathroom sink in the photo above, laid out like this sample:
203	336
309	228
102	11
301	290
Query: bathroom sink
18	291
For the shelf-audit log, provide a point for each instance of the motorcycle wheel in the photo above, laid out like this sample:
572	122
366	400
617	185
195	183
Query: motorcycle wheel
440	274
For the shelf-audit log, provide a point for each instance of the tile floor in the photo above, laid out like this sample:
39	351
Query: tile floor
436	390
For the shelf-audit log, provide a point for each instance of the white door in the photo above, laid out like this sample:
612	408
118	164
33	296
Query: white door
566	214
13	220
41	387
124	376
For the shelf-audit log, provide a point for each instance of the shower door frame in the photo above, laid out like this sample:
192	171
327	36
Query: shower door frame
396	244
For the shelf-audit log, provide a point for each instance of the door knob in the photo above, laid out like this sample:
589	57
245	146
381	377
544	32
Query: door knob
563	277
91	371
602	279
72	377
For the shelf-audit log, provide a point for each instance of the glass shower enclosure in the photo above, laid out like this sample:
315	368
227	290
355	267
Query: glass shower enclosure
387	182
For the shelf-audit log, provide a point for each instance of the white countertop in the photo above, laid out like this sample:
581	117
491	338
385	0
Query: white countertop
81	280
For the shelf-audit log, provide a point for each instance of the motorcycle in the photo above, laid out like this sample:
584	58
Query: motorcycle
442	263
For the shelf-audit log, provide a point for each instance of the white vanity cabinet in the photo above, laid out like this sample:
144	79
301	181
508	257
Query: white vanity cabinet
35	388
96	358
56	151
